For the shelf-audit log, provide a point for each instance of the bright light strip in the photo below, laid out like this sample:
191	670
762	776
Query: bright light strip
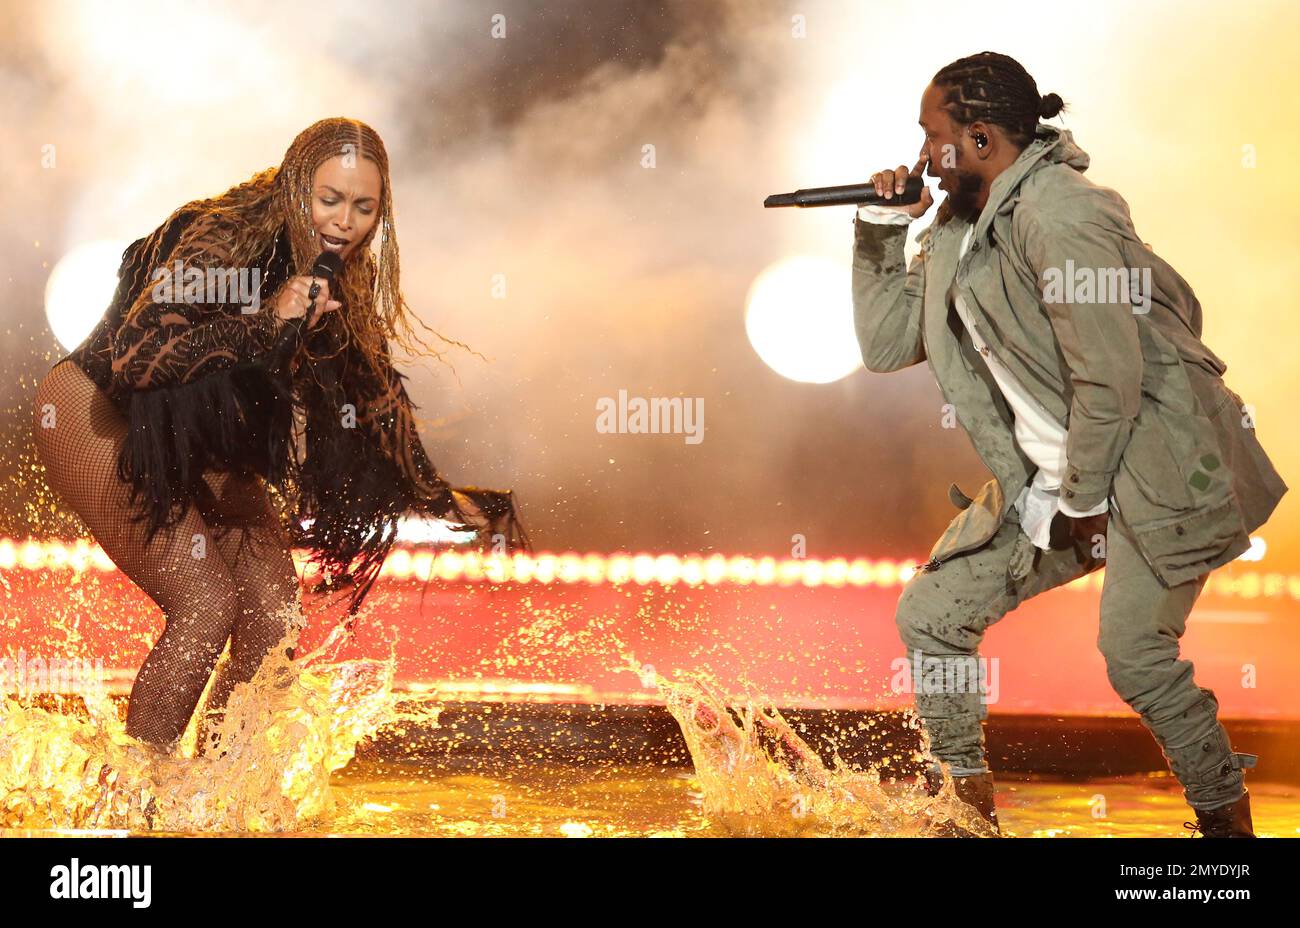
451	566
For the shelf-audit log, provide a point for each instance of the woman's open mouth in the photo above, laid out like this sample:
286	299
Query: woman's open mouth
330	243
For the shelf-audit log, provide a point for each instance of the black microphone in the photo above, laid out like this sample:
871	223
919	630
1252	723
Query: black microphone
326	265
847	195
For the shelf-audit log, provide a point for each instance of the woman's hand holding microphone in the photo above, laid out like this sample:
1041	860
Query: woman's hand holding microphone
294	300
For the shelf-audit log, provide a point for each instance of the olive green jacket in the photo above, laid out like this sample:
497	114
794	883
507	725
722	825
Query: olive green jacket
1150	422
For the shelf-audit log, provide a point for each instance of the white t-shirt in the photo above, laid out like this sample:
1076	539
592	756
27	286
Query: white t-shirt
1039	436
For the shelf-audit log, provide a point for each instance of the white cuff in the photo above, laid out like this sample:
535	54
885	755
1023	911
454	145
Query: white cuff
884	215
1096	510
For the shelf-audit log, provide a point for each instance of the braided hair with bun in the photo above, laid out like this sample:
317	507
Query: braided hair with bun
996	89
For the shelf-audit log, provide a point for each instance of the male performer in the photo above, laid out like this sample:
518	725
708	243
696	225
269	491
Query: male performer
1070	353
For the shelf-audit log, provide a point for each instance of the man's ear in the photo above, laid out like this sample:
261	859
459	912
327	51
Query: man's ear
982	138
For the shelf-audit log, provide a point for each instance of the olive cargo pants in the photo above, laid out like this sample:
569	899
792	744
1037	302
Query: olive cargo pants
943	613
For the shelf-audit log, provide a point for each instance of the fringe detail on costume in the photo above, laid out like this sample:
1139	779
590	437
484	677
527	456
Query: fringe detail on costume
347	495
239	420
506	526
350	499
354	497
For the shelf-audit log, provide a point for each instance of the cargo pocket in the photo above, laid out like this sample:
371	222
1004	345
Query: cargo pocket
1186	549
1150	464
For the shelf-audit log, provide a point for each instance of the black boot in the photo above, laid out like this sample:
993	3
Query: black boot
1230	821
976	791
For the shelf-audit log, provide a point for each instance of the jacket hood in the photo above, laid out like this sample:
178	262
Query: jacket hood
1050	146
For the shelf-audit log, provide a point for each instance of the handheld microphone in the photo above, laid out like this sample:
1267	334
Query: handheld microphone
326	265
847	195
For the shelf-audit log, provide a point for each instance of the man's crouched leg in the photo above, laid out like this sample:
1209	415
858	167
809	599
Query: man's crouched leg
1141	624
942	616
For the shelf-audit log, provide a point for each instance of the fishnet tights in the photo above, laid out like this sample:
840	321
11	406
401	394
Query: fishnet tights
245	591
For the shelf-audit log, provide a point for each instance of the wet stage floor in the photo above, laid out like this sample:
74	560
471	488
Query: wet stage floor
567	802
335	751
397	799
538	771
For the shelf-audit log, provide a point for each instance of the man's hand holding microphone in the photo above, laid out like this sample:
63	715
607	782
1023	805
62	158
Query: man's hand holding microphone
892	181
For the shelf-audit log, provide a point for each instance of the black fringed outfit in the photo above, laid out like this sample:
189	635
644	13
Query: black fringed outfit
203	386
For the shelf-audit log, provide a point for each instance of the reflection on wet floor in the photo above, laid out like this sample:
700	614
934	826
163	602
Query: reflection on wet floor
321	747
569	802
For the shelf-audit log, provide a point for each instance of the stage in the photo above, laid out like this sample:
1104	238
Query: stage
595	628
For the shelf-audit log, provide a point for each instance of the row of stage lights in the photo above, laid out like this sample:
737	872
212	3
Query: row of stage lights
414	563
450	566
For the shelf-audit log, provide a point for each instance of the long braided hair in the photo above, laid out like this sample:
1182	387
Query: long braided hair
996	89
243	223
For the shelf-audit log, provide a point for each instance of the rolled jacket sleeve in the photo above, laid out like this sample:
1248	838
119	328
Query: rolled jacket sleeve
1099	340
887	296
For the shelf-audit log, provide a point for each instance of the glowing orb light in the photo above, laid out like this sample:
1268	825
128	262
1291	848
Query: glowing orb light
799	319
80	288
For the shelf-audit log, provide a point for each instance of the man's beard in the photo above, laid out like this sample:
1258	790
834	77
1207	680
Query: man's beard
963	197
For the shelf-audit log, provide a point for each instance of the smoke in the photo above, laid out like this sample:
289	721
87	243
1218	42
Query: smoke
578	200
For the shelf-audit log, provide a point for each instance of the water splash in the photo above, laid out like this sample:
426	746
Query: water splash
757	777
282	735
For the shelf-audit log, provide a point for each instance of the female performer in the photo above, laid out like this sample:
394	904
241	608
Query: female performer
192	398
